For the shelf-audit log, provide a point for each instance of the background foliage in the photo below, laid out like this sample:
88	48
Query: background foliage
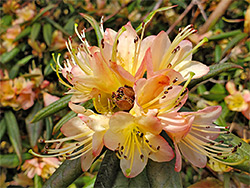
32	30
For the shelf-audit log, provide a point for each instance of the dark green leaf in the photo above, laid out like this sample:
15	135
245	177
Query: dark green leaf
68	172
15	69
6	57
233	42
23	34
3	127
108	170
43	11
225	35
35	30
217	53
49	127
218	89
201	89
163	174
38	182
34	129
95	25
69	27
57	26
150	17
52	108
13	132
47	33
48	70
215	70
12	161
242	156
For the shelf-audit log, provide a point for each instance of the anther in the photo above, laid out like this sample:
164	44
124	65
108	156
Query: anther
239	144
41	141
147	141
46	147
224	157
122	147
141	135
165	92
211	143
136	40
171	87
207	127
141	156
102	43
158	147
77	144
230	145
143	24
117	42
219	154
222	141
175	80
125	157
180	29
164	96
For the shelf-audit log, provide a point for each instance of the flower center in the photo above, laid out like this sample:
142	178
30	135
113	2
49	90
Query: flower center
124	98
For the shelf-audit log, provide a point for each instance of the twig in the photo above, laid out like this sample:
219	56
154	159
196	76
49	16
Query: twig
189	7
157	5
217	13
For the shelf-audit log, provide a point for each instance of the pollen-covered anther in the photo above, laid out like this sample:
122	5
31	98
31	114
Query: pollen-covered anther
240	144
41	141
158	147
175	80
141	156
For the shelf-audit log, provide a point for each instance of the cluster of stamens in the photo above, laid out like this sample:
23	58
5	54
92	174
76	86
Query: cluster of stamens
73	151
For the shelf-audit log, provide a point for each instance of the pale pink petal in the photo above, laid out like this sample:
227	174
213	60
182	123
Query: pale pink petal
185	48
112	139
77	108
195	158
48	98
159	47
185	67
120	120
178	162
164	151
149	123
86	160
74	127
97	143
205	116
246	112
138	164
109	36
231	88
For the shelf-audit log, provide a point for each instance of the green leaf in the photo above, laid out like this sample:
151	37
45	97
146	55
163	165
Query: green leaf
43	11
23	34
47	33
35	30
65	175
8	56
108	170
38	182
150	16
15	69
225	35
12	160
244	178
13	132
69	116
218	89
201	89
52	108
242	156
3	127
214	71
233	42
163	174
34	129
49	127
217	53
69	27
95	25
57	26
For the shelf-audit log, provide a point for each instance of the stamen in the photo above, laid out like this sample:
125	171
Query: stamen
114	54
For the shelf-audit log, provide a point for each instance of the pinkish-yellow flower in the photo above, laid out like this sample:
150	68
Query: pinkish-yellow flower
43	167
238	100
87	131
194	134
135	139
176	55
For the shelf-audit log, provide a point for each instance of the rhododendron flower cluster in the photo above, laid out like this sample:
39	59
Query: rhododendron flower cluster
20	92
135	85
